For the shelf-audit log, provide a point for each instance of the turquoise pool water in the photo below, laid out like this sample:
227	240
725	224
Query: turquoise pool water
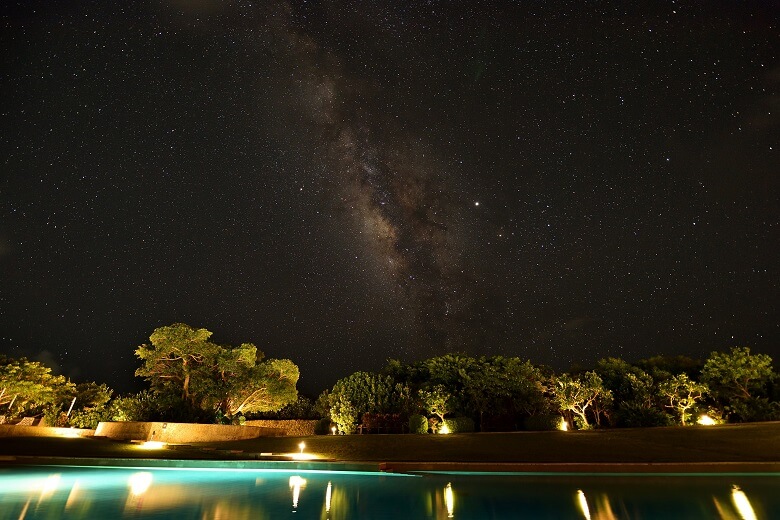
68	492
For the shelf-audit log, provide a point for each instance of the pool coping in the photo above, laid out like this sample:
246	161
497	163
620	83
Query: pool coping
400	467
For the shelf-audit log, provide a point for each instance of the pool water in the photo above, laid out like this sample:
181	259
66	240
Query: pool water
67	492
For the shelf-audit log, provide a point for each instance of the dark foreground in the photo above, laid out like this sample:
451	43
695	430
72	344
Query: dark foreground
745	443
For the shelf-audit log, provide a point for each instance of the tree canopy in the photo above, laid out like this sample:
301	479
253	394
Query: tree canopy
181	360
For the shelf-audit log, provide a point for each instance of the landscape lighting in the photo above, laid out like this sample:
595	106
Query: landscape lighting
152	445
706	420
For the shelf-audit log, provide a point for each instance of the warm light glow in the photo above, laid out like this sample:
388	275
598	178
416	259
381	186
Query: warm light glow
564	426
301	456
449	500
301	446
444	429
73	496
583	503
49	486
706	420
742	504
151	445
328	494
69	434
296	484
139	482
333	429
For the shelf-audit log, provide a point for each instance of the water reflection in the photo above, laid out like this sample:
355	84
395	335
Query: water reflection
741	502
449	500
603	509
582	502
296	484
73	493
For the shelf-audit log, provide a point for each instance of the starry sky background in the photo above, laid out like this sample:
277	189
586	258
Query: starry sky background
346	182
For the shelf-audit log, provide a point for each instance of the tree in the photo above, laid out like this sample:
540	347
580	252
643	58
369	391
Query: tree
176	352
738	374
578	395
635	395
263	387
683	394
28	387
181	361
437	400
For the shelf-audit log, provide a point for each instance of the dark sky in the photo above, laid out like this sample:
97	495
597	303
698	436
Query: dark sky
345	182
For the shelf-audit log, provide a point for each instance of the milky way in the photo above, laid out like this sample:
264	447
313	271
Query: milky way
400	197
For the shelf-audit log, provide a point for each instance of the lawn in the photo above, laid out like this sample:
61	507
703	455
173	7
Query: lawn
758	442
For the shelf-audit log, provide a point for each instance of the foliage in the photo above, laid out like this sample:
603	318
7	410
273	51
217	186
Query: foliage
634	414
364	392
754	409
662	368
343	413
738	374
28	387
134	407
177	352
181	362
501	385
383	423
301	408
682	394
581	396
322	404
263	387
437	400
459	424
418	424
89	418
322	427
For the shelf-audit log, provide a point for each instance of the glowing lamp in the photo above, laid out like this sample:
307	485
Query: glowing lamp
444	429
563	426
333	429
152	445
706	420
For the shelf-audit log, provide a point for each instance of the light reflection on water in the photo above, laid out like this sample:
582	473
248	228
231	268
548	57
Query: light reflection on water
75	493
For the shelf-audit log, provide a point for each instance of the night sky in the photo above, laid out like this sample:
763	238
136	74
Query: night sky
345	182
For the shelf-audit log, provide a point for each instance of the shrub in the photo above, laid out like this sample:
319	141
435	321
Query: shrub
322	427
459	424
418	424
633	415
542	422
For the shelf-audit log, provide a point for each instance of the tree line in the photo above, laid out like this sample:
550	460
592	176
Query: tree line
507	393
193	379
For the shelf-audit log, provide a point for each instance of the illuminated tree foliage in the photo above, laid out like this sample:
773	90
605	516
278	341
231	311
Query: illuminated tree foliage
182	361
737	374
28	387
682	395
582	396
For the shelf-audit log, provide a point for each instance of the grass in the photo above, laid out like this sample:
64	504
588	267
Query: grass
758	442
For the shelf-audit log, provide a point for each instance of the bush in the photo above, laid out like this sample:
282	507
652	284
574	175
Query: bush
322	427
459	424
542	422
632	415
418	424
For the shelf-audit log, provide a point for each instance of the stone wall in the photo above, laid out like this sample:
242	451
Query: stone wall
179	433
291	427
12	430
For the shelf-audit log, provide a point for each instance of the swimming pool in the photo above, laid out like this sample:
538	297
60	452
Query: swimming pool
68	492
